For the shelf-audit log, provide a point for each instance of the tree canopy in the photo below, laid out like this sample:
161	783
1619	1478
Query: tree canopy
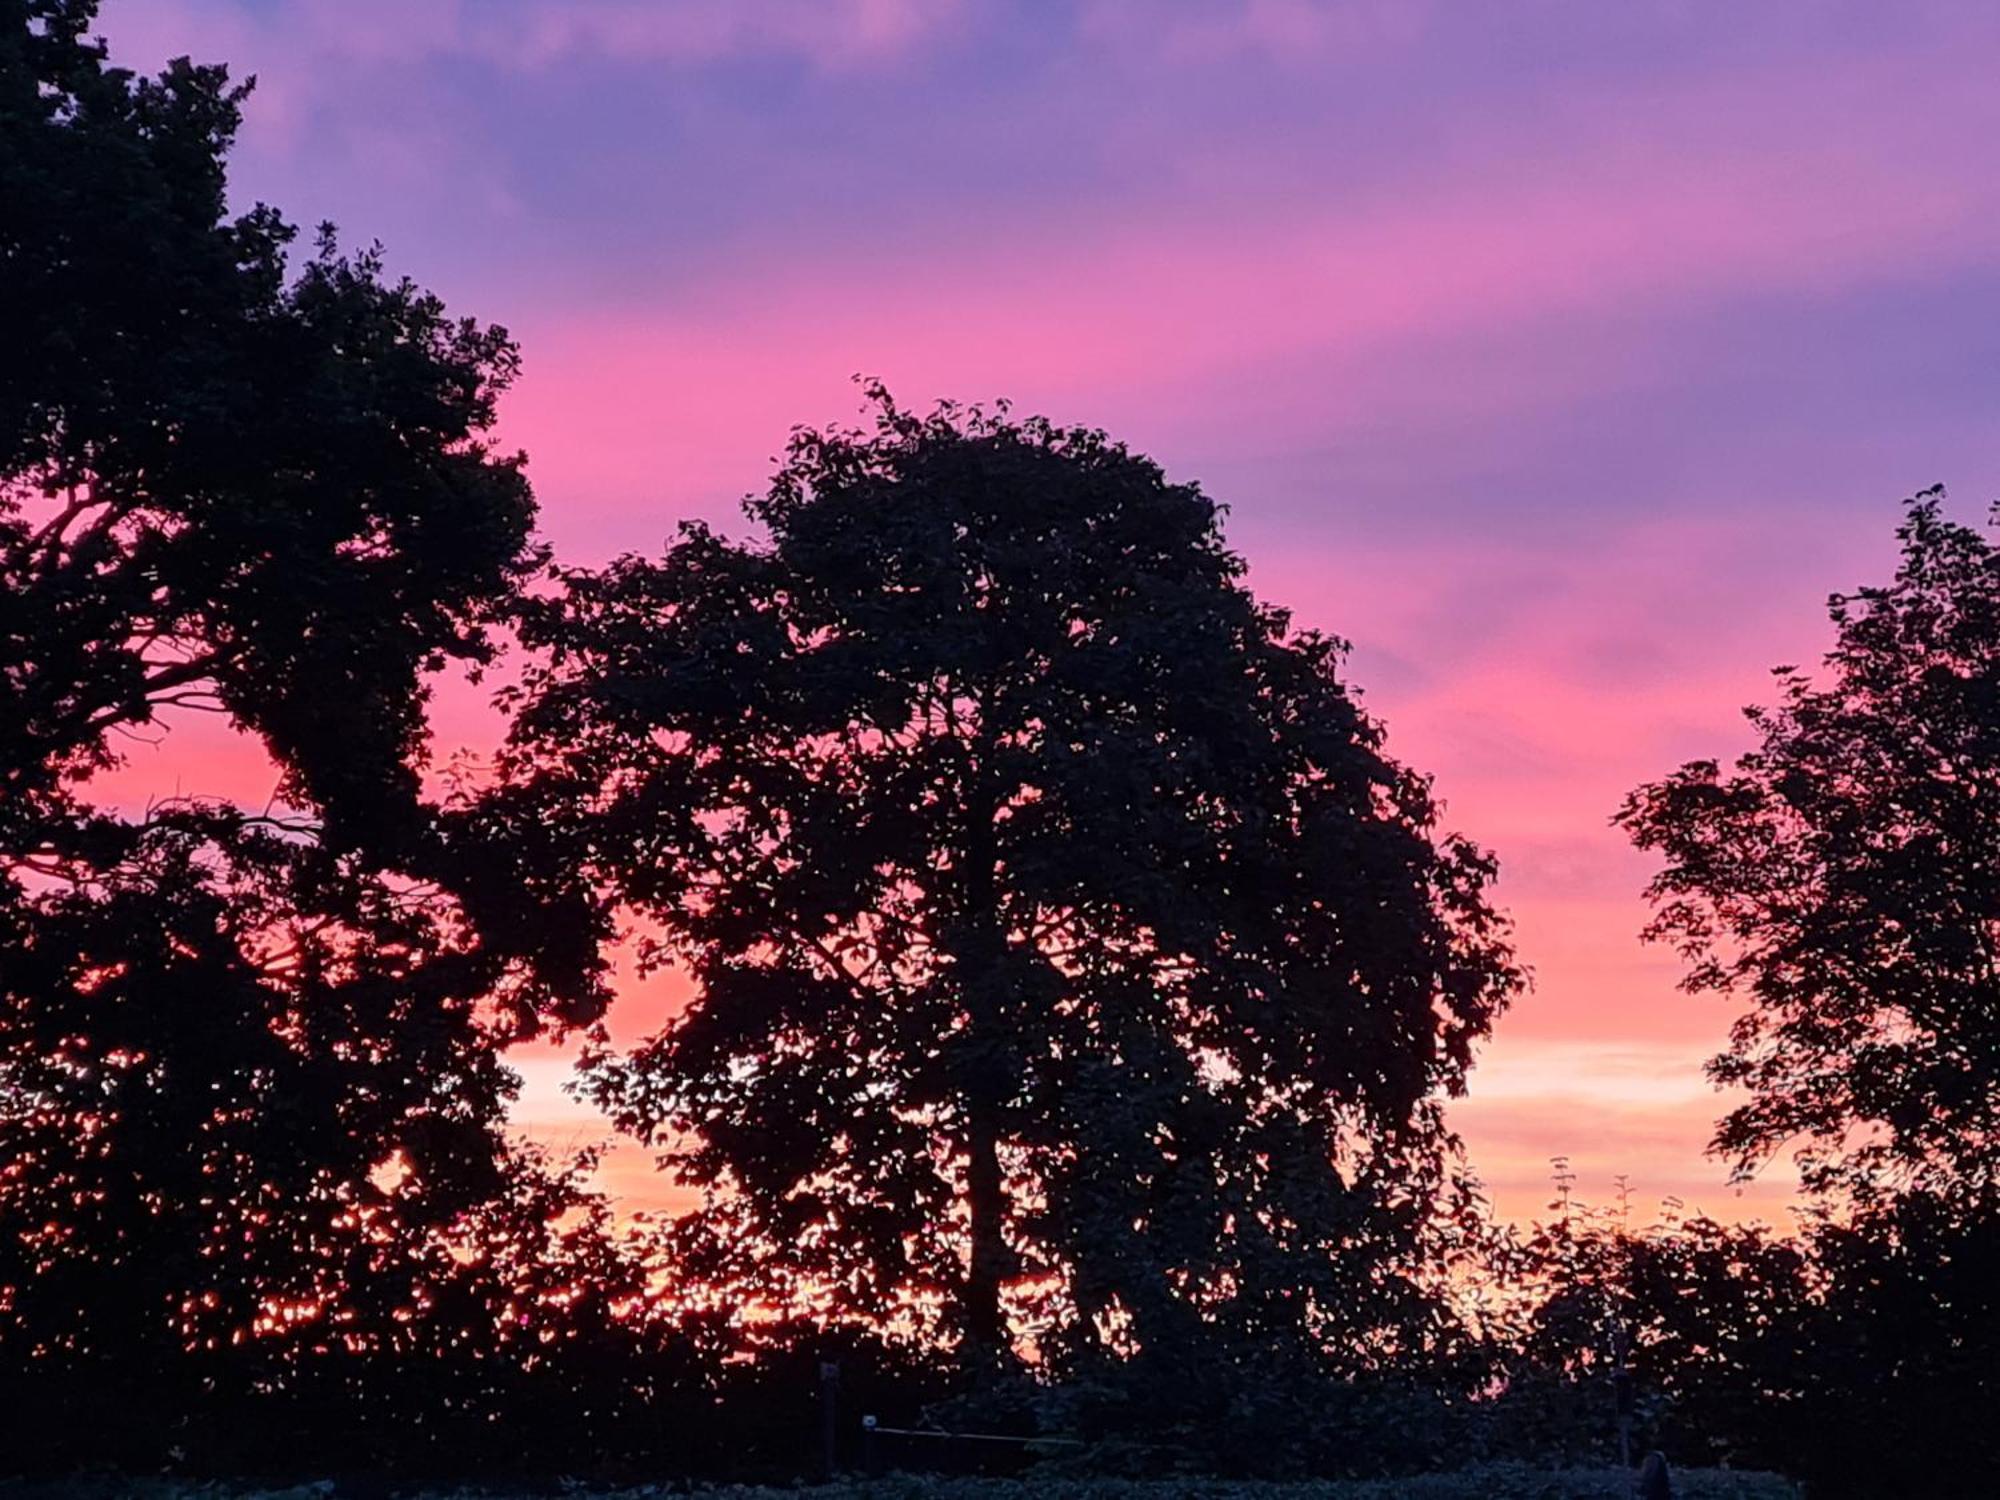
1066	943
252	1111
1840	879
220	484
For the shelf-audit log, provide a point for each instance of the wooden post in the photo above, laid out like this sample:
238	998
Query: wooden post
829	1417
1655	1483
1624	1400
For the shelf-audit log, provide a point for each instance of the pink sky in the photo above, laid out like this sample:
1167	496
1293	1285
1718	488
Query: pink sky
1563	356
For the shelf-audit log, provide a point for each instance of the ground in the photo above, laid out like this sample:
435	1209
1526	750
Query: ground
1499	1483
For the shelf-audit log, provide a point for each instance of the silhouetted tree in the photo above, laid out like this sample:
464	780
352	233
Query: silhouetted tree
223	487
1062	931
251	1108
1841	880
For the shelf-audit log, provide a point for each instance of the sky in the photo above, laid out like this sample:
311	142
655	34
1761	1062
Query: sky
1561	355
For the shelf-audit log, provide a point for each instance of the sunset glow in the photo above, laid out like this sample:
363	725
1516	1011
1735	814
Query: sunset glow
1561	357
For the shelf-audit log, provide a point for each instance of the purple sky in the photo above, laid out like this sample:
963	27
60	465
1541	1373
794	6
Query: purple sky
1563	356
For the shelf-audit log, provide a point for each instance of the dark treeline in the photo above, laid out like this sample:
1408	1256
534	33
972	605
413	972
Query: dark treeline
1078	978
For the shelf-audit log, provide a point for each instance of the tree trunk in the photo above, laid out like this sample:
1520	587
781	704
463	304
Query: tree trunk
986	1200
984	1082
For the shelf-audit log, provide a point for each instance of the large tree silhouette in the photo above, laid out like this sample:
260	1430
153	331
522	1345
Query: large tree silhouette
1062	931
1841	880
251	1110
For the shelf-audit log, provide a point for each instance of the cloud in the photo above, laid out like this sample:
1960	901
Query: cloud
527	34
1637	1110
1292	32
828	33
314	59
1547	270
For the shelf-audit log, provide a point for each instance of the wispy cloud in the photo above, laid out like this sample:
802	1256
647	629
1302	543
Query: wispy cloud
1293	32
532	34
829	33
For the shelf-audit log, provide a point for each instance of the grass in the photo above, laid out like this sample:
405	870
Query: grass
1500	1482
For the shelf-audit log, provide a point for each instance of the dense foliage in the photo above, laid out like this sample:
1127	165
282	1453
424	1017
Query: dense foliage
1839	880
252	1118
223	486
1068	950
